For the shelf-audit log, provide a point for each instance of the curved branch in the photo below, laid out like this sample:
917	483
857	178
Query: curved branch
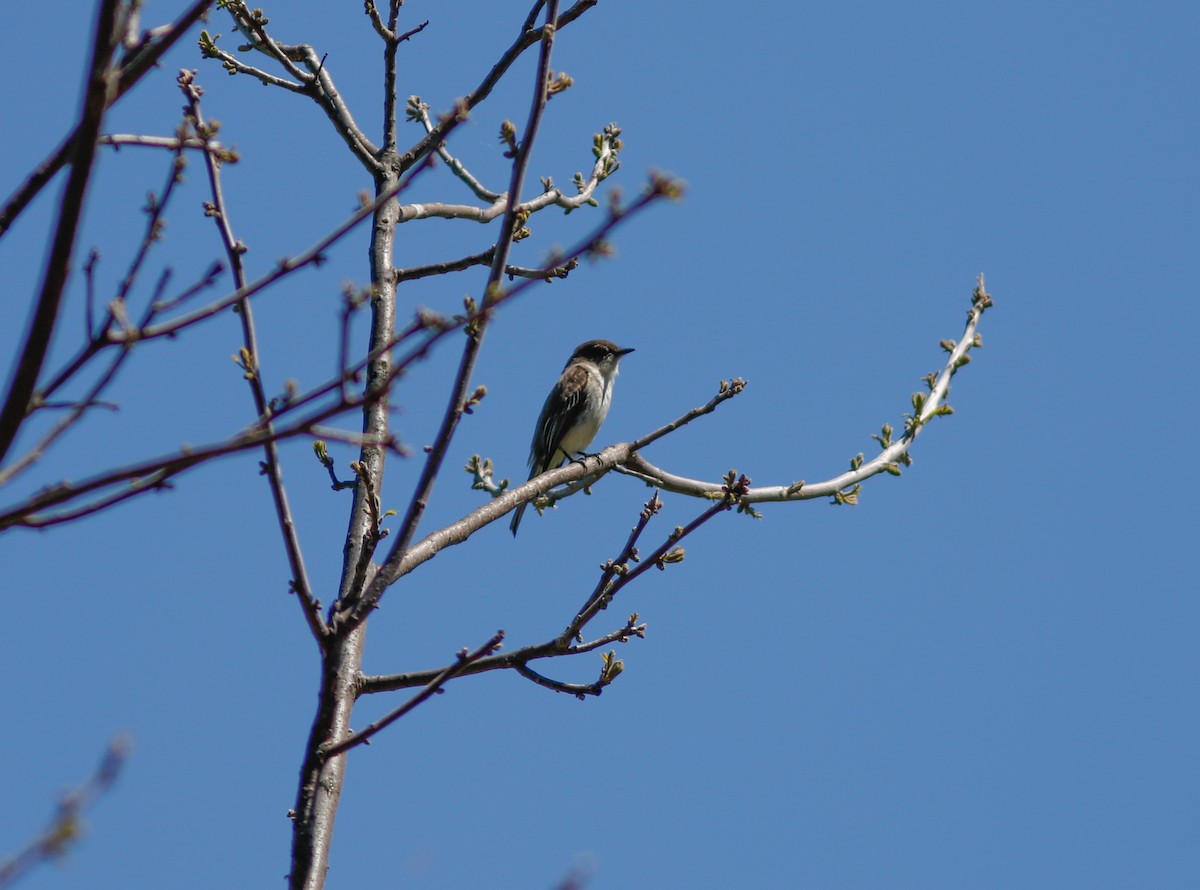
504	661
419	111
314	82
888	460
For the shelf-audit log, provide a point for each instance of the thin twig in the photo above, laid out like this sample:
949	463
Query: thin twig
552	648
234	249
620	565
607	147
155	207
101	337
579	690
548	273
419	111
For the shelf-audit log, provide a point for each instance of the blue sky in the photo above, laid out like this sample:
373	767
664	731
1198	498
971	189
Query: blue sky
984	675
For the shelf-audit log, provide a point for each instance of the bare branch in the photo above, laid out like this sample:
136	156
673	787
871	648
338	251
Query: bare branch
392	43
252	24
154	209
154	473
101	337
234	65
616	575
620	565
412	32
619	576
376	22
505	661
579	690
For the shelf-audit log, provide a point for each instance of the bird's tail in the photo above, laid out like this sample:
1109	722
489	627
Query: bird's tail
516	520
534	470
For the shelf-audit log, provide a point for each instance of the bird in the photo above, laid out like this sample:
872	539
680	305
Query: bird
574	410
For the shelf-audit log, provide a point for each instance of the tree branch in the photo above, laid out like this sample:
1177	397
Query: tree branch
170	143
155	207
419	111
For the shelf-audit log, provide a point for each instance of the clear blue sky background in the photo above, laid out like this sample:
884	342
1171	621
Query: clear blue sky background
984	675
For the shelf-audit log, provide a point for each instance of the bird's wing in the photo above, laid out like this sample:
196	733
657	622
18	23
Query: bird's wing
559	414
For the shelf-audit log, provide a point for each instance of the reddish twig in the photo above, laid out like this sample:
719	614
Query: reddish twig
463	660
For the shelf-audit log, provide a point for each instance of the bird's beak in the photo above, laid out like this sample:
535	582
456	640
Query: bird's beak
624	351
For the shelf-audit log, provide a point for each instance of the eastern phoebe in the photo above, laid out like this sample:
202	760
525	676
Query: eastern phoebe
574	409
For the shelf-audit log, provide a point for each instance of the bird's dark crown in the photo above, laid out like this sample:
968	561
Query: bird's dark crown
598	351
